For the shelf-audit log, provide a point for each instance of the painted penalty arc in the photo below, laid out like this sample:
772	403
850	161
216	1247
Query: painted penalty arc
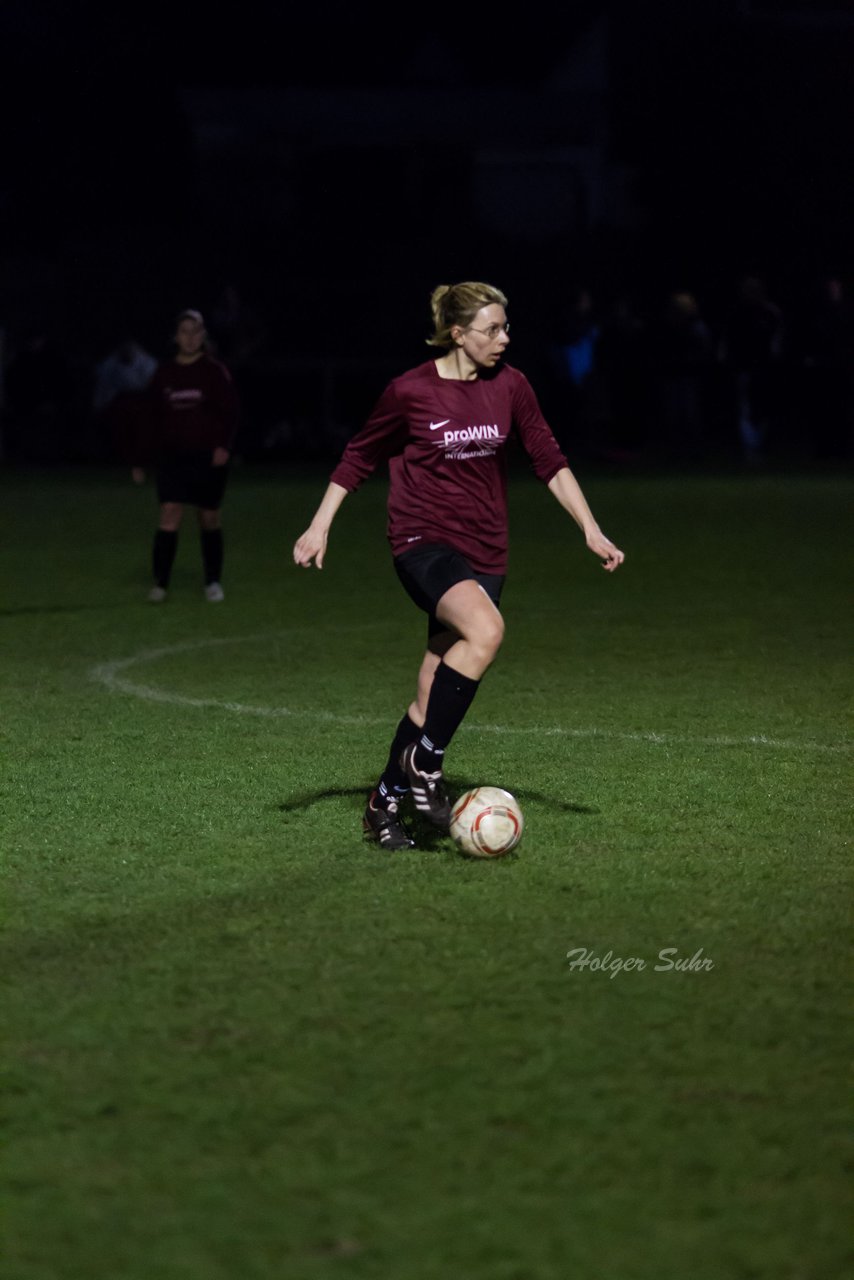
112	675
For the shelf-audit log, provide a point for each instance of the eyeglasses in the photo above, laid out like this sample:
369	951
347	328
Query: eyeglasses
492	331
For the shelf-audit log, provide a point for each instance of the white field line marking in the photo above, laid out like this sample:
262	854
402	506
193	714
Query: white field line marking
110	675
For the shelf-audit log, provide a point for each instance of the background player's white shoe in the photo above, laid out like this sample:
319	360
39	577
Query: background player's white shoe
214	593
157	595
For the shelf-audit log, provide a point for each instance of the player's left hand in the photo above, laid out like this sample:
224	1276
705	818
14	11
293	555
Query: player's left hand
612	557
220	456
311	546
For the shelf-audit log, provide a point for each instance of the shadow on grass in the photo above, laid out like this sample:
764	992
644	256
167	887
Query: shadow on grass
427	837
309	798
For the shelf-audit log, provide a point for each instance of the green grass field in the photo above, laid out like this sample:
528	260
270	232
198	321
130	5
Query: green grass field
242	1044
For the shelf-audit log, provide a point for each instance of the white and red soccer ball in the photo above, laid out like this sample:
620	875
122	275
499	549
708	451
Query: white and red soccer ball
486	822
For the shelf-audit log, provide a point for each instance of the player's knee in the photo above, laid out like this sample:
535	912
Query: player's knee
488	637
170	516
209	519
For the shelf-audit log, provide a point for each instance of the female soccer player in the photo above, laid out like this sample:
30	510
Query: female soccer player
444	426
193	420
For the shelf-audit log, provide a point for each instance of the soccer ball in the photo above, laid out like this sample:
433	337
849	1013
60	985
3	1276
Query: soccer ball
486	822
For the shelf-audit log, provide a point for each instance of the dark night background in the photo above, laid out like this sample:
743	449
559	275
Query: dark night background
334	164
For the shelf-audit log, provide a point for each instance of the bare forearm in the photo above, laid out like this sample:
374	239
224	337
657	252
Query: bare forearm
567	490
312	545
329	504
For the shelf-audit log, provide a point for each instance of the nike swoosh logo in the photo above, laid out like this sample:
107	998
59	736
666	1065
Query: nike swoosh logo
434	426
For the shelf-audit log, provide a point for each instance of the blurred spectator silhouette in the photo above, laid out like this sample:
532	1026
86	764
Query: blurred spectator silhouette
826	345
128	368
682	359
622	353
751	350
121	381
574	360
235	329
39	401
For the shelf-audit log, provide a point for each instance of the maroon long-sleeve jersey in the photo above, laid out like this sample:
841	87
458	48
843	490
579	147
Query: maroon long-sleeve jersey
194	408
445	442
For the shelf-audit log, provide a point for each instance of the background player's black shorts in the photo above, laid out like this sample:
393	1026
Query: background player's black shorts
191	479
431	569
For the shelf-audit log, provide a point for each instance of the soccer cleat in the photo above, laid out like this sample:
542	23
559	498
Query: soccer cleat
214	593
157	595
428	790
386	825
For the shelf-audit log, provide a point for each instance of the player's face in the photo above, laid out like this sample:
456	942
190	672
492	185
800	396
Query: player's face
486	338
190	337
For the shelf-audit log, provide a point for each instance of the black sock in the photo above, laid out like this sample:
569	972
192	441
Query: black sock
163	555
212	555
394	783
450	698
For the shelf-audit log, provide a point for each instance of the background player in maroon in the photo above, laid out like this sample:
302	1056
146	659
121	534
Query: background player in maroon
443	427
190	431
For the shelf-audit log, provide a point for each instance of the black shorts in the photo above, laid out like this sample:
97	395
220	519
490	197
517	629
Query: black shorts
190	478
431	569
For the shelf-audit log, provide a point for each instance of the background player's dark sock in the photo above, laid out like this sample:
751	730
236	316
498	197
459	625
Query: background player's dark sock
450	698
394	782
163	555
212	553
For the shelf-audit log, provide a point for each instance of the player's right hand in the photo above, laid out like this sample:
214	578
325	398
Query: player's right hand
311	546
612	557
